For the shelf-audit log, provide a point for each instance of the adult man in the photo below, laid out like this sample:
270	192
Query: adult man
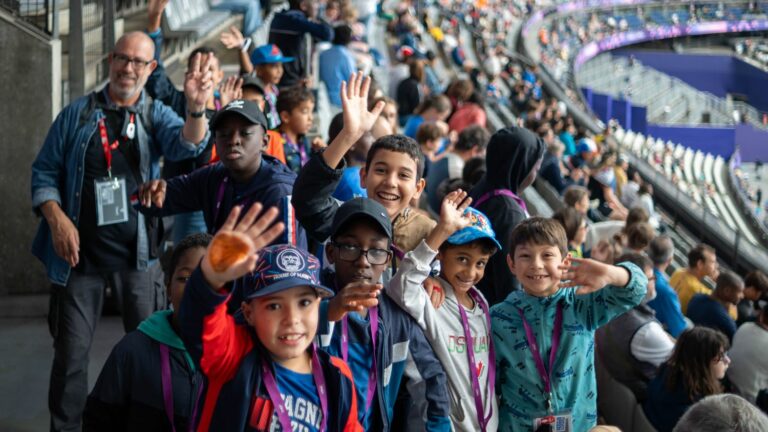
712	310
98	150
472	143
687	282
634	344
666	304
755	289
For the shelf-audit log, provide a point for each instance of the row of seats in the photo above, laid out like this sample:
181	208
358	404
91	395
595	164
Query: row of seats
184	17
700	176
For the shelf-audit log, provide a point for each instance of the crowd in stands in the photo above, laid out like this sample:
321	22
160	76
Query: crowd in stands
385	274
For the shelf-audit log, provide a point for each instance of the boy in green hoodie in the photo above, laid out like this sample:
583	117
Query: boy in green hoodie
149	381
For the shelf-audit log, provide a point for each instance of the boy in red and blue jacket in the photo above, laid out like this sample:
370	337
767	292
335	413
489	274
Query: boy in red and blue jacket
267	375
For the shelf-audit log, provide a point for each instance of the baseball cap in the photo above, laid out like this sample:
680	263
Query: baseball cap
252	81
586	145
480	228
267	54
362	207
282	267
245	108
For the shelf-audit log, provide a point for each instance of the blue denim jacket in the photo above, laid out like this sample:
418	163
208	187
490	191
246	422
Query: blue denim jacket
57	172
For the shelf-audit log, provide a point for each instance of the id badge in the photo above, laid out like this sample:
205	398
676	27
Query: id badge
111	201
554	423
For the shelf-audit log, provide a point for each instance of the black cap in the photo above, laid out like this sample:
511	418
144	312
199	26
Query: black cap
365	207
246	109
252	81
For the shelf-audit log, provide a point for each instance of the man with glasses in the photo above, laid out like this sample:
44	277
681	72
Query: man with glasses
97	152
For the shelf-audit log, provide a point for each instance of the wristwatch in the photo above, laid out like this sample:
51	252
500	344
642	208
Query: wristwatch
196	114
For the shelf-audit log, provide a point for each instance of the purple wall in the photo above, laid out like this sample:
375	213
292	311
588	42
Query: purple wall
718	141
753	143
716	74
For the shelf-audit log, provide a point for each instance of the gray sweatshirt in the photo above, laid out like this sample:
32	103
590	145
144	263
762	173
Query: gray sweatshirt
443	329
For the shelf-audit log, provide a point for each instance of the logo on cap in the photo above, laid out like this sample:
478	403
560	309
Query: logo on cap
290	261
275	50
236	104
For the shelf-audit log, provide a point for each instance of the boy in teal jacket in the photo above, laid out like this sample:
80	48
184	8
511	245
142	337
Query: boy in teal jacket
544	334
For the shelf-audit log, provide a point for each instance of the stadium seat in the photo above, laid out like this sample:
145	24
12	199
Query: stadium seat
191	17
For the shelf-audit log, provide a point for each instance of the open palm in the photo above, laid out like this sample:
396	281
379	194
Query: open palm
354	101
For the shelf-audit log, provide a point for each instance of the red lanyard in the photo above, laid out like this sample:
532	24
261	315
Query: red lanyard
373	314
106	146
473	373
546	375
277	400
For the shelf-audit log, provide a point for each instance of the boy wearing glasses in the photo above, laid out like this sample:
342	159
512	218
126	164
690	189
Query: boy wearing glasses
366	328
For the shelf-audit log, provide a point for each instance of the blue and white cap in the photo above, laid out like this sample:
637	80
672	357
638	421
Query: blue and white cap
282	267
480	228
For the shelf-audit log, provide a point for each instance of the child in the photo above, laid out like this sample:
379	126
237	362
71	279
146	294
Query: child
430	137
267	63
381	336
544	333
575	225
512	161
349	184
130	393
295	106
243	177
459	330
267	373
434	109
392	175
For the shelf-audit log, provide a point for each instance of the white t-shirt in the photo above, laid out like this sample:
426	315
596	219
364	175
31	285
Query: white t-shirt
749	360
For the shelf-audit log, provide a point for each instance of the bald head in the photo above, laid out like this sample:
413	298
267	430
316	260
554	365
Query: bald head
130	64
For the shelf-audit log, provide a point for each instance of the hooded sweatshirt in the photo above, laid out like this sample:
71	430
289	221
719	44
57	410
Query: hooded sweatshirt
129	395
443	329
271	186
512	154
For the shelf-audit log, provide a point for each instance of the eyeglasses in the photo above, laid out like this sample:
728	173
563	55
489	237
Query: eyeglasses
122	60
352	253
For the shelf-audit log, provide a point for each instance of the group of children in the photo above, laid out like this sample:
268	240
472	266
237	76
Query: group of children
262	337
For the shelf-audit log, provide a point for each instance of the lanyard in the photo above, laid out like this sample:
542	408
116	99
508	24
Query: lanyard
165	366
106	146
505	192
473	373
299	148
220	199
373	315
277	400
534	347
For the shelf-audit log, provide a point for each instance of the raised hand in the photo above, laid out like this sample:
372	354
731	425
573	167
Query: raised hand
232	39
155	10
435	291
198	82
452	211
354	102
230	89
152	192
590	275
233	251
355	297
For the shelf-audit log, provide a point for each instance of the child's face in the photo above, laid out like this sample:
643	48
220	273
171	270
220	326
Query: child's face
252	95
188	262
581	234
463	266
390	114
431	146
537	268
299	120
270	73
391	179
239	144
285	323
582	206
362	235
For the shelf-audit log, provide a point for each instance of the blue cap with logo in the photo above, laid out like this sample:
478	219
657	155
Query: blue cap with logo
268	54
282	267
480	228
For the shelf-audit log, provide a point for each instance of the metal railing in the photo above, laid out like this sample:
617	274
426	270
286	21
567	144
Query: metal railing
39	13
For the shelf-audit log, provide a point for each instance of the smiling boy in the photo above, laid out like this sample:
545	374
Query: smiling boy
544	334
266	375
243	177
368	330
392	175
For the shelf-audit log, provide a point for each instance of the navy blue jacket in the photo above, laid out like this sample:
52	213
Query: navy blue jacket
287	32
398	336
229	356
271	186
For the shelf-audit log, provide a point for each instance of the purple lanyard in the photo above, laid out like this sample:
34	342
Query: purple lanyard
505	192
277	400
373	315
534	347
165	369
220	199
298	147
473	374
